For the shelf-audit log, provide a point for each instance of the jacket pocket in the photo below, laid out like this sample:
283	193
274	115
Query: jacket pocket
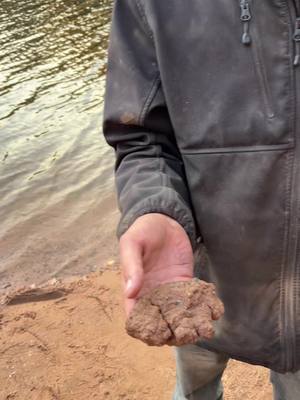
263	80
241	202
251	38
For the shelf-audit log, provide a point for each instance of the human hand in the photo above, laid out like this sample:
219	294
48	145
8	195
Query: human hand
153	251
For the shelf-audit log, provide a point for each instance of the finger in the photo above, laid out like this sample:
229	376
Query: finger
131	255
129	304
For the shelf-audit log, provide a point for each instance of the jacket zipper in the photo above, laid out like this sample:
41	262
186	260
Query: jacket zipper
245	18
248	40
296	35
296	38
290	277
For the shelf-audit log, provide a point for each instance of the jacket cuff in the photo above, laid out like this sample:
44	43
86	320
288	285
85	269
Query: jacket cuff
174	208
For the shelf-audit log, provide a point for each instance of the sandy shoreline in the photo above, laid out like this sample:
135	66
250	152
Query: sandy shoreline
74	346
65	240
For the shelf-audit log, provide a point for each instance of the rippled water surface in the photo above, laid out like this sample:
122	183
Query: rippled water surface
57	210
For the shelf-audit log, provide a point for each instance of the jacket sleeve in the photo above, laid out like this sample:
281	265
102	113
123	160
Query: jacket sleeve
149	171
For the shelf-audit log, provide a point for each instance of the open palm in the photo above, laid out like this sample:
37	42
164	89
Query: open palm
154	250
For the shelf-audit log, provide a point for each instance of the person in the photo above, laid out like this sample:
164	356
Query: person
202	107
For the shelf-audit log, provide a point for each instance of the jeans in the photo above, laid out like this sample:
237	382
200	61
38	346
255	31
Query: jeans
199	373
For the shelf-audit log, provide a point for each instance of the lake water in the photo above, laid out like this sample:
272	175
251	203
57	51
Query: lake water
57	204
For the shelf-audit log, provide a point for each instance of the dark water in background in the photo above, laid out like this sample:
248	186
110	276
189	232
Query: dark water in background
57	208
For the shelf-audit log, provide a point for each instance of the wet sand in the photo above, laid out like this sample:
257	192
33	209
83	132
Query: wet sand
59	243
69	343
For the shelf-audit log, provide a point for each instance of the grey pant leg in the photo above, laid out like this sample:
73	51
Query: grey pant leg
198	374
286	386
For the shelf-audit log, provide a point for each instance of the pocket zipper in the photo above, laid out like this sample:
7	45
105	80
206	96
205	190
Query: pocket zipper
296	35
245	18
296	38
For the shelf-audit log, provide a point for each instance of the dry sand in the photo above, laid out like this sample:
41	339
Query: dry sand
73	346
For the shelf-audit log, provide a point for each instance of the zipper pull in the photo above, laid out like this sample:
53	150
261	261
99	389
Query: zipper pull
245	18
296	38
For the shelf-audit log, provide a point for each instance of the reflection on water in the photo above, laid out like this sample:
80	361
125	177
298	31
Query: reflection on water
55	167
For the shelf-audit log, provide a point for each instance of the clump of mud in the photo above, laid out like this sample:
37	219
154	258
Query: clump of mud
175	314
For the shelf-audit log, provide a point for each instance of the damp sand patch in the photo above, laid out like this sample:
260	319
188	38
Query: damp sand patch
67	341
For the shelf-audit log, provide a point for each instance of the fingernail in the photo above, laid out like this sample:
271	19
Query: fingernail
128	286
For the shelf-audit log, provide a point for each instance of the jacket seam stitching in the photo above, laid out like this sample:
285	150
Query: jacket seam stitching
293	196
239	149
142	13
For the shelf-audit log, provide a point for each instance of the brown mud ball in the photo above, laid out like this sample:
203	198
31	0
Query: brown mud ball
175	314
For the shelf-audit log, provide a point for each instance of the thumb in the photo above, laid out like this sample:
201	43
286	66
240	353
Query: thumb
132	264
